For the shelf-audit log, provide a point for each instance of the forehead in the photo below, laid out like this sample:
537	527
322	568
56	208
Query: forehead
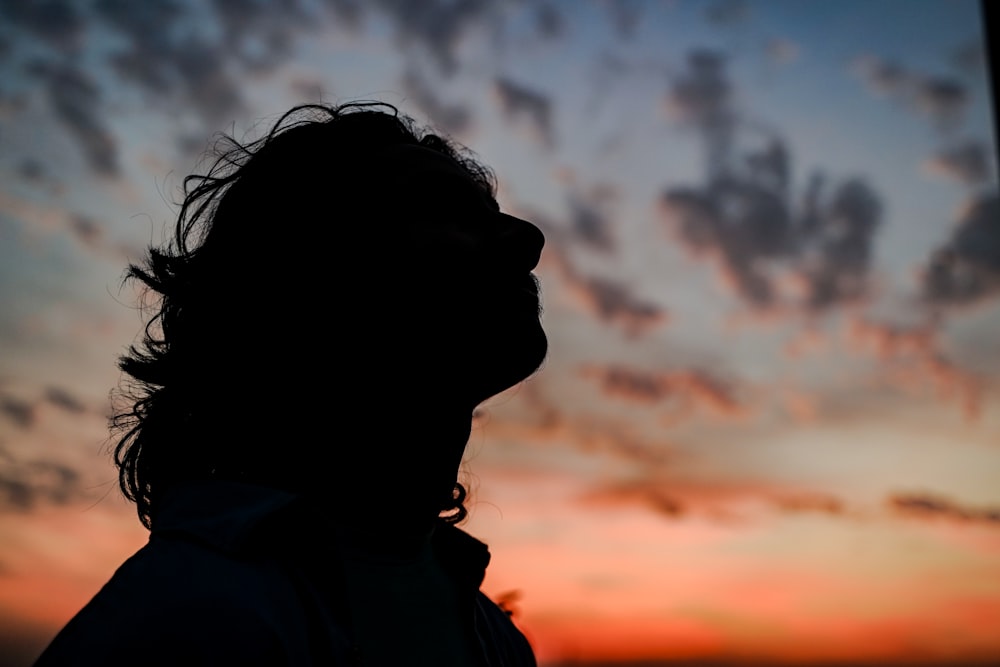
417	168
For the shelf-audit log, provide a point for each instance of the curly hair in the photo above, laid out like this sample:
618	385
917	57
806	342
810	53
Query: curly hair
314	156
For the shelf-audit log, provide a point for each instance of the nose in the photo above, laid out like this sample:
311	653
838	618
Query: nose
520	242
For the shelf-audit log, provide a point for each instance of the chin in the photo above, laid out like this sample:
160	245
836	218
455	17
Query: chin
519	362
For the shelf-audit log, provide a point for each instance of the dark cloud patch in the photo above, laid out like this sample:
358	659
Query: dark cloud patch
590	216
76	101
610	301
31	170
86	230
549	22
208	83
746	218
966	269
701	97
163	58
20	412
450	118
149	28
882	77
346	13
969	58
931	506
437	26
835	258
614	303
625	16
519	101
25	486
261	34
56	22
63	399
966	162
727	12
941	99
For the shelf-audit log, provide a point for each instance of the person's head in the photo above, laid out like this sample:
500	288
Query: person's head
347	276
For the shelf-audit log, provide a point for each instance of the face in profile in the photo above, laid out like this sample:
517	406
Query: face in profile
471	269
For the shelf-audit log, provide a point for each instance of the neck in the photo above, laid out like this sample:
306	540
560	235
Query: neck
393	485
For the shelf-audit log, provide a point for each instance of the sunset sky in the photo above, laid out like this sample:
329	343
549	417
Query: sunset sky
768	430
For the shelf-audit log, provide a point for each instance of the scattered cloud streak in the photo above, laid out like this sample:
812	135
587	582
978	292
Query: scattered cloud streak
931	506
683	390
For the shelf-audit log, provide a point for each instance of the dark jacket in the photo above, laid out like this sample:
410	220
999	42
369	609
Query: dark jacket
236	574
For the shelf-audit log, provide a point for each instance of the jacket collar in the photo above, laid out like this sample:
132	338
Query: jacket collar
247	520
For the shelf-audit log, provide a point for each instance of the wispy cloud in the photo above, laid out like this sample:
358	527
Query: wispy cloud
933	506
680	390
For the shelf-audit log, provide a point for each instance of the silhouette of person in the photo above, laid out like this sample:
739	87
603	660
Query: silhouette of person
337	299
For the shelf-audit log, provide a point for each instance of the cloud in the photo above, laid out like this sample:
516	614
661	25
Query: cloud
24	413
47	219
549	21
821	503
31	170
781	51
437	26
913	360
966	163
625	16
452	119
747	220
590	216
63	399
727	12
56	22
610	301
702	98
969	58
682	390
931	506
677	498
347	12
940	99
75	99
197	70
539	421
26	485
966	269
20	412
655	497
519	101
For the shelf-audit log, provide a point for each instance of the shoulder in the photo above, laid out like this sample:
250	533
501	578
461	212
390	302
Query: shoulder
497	630
177	603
